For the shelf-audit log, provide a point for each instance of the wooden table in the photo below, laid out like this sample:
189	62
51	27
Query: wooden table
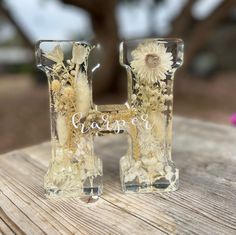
204	204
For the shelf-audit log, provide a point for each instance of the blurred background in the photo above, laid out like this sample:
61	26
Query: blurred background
205	87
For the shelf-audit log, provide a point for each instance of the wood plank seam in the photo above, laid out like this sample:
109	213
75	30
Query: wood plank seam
9	223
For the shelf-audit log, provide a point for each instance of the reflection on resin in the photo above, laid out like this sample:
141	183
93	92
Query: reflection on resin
146	117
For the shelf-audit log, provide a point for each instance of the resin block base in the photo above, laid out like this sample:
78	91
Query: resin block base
77	192
81	192
70	175
137	177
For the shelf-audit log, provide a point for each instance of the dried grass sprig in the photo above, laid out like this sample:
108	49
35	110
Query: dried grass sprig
62	130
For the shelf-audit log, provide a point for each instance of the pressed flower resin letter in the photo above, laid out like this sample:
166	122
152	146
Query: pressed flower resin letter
146	117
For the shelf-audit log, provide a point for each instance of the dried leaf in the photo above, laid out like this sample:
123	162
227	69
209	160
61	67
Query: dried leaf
56	54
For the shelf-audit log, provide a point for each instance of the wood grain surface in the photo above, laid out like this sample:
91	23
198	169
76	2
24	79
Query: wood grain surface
205	153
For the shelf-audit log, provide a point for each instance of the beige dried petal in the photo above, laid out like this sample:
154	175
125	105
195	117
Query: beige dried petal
79	53
136	171
72	72
56	54
82	95
147	161
169	97
62	131
133	97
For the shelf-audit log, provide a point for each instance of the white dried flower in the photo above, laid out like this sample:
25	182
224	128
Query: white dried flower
147	161
82	95
72	72
79	53
151	61
133	97
68	62
133	171
162	84
56	54
62	131
169	97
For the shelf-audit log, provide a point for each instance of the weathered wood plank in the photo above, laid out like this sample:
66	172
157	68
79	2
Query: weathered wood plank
204	204
64	216
4	226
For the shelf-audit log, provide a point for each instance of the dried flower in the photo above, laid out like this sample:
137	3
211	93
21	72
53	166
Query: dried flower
168	97
136	171
151	61
72	72
133	97
79	53
153	100
56	54
147	161
68	93
66	76
55	86
62	129
82	95
69	62
157	121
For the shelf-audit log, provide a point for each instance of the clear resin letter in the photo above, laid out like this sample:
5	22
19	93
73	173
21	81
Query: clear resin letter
74	169
146	117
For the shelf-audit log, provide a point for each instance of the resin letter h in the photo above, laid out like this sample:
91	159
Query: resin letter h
146	117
